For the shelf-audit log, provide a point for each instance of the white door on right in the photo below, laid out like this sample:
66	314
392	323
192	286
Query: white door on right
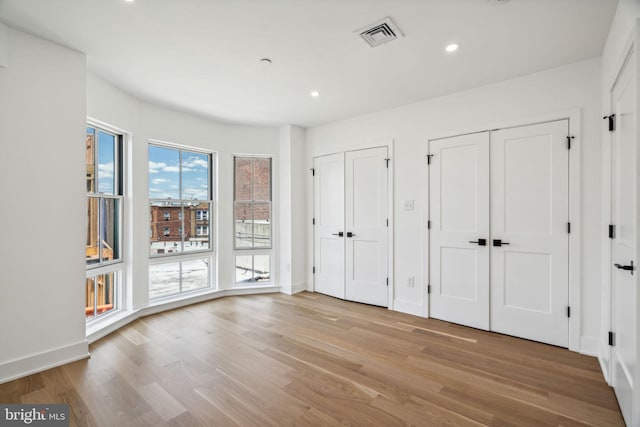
623	247
529	236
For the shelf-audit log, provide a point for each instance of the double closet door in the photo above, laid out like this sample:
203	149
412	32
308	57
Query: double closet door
350	225
499	246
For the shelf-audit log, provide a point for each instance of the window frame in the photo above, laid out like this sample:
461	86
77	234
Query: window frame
253	202
261	250
116	266
211	201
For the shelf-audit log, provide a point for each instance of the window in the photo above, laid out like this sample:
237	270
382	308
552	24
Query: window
202	230
252	219
104	220
202	215
181	197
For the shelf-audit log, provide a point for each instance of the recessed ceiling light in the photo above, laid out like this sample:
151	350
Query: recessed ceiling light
129	1
265	61
315	93
452	47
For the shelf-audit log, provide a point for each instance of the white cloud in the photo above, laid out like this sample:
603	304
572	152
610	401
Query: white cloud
192	162
171	169
155	167
158	181
105	170
196	193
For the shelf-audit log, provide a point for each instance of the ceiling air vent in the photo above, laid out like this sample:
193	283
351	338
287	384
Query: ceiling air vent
380	32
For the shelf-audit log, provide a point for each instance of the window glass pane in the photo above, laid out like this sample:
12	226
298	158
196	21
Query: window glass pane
262	225
90	298
91	161
244	225
93	235
100	294
197	226
262	179
164	176
105	284
244	269
195	274
110	229
164	279
262	268
242	178
166	228
195	176
106	163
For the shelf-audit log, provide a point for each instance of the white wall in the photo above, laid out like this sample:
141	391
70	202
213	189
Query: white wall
146	122
42	168
292	238
569	87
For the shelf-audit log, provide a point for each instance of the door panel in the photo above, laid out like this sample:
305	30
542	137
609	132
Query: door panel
529	214
623	247
459	213
329	217
366	219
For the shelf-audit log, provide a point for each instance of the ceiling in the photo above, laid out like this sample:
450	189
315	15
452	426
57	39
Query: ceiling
202	56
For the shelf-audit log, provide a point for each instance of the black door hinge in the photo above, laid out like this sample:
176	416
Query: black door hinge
428	289
387	160
313	171
429	156
314	270
429	224
313	221
569	138
387	281
612	231
612	339
568	311
387	222
612	122
569	227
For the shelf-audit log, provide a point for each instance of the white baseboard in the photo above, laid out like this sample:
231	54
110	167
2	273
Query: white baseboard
298	287
408	307
119	320
603	356
15	369
589	346
170	305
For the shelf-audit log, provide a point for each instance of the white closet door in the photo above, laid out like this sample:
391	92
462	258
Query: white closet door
366	226
623	247
329	225
529	215
459	212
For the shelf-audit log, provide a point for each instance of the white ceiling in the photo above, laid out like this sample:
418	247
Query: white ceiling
202	56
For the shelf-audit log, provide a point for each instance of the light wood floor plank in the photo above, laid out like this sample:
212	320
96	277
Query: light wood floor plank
312	360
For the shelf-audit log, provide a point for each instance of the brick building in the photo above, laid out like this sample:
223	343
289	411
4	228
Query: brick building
172	223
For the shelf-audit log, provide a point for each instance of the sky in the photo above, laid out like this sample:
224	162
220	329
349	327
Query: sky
164	174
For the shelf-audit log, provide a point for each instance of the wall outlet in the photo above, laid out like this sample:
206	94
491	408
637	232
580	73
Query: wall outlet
408	205
411	282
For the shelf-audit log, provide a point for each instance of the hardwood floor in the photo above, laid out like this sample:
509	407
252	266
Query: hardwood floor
277	360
